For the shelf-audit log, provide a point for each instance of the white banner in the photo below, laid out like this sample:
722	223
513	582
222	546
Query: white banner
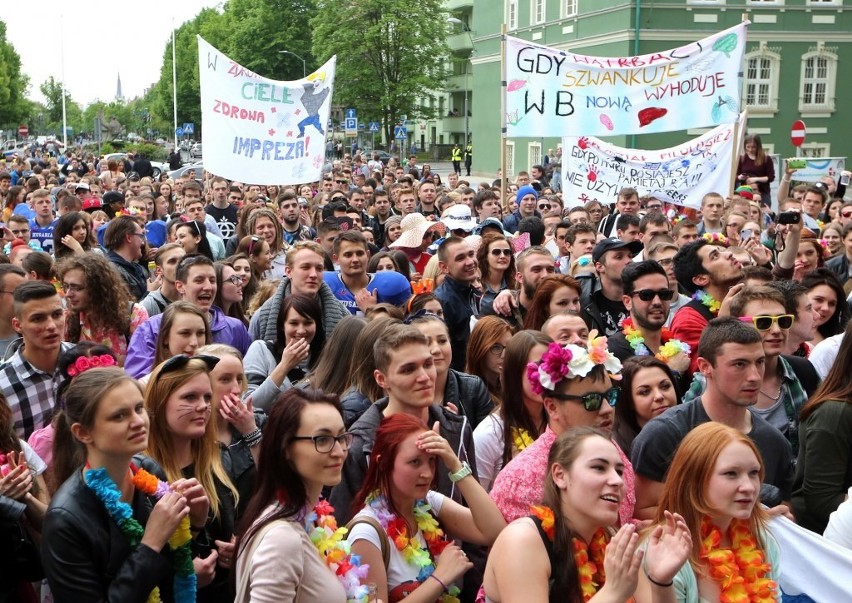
594	170
262	131
552	92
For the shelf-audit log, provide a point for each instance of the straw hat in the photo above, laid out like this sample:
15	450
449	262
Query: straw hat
414	228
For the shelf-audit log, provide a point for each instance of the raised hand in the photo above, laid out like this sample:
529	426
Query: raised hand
621	563
668	549
432	442
240	415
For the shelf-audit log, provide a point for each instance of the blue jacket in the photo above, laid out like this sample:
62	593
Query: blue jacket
459	302
143	343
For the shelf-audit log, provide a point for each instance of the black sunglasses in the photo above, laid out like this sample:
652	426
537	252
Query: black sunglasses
499	252
647	295
175	363
592	402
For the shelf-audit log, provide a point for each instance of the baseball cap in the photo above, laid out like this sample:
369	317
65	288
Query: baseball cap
601	248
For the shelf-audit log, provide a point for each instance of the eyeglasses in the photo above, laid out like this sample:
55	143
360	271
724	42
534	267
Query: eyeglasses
545	206
234	280
341	181
499	252
175	363
497	349
765	322
325	443
647	295
592	402
138	234
73	288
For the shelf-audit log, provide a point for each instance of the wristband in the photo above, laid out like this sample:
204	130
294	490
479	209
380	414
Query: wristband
461	473
444	586
654	582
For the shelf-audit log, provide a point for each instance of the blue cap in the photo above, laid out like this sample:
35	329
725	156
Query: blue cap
392	287
526	190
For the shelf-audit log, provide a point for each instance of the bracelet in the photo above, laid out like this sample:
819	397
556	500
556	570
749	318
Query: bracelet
444	586
461	473
253	438
254	443
654	582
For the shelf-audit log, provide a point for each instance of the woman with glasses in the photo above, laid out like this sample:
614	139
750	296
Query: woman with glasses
466	394
648	389
496	260
245	270
405	530
302	452
229	291
184	442
273	367
553	294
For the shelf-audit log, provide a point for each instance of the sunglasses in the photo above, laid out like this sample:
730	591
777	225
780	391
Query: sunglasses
592	402
175	363
544	206
499	252
765	322
647	295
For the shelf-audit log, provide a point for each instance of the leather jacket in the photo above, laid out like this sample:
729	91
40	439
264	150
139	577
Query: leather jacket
470	395
87	558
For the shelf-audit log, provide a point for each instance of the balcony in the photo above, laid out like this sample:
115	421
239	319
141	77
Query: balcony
453	125
460	43
459	82
457	5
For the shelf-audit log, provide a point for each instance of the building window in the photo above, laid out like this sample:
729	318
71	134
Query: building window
819	73
765	2
761	81
816	149
510	158
534	153
513	14
824	2
569	8
539	11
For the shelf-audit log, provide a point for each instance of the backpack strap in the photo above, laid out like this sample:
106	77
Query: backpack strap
383	536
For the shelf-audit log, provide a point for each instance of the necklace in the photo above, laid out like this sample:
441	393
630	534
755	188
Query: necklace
99	481
708	300
322	529
410	546
773	398
741	570
670	346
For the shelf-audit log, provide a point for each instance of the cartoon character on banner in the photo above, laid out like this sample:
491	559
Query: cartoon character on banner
313	97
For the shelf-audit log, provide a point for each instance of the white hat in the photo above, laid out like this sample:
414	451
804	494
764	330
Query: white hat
414	228
458	217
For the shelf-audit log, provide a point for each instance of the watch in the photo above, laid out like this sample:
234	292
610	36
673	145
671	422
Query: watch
461	473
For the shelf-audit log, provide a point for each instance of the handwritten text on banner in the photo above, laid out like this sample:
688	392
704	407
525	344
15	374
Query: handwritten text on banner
259	130
551	91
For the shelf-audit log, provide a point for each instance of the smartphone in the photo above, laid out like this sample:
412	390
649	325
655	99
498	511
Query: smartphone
844	179
797	164
746	234
789	217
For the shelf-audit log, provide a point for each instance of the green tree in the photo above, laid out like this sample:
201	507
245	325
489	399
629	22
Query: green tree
14	106
52	91
391	55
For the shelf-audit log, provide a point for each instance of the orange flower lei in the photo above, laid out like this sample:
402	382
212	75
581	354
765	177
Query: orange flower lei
741	570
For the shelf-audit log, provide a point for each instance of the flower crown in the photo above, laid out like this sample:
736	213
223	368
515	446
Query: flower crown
559	363
84	363
716	238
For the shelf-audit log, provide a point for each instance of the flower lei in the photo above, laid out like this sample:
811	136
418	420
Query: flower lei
521	438
741	570
99	481
410	547
708	300
83	364
322	529
670	347
716	238
571	361
590	568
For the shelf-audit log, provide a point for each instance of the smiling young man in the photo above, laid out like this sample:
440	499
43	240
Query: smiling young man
406	372
457	261
195	281
167	258
732	360
28	375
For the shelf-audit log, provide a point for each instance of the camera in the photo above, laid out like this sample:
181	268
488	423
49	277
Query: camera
789	217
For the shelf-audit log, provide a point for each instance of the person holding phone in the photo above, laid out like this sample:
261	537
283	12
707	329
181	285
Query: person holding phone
755	167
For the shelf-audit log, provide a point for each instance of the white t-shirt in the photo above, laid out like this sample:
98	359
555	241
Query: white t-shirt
488	443
399	571
824	353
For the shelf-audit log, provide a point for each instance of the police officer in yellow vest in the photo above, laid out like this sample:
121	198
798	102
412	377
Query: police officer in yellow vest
456	158
468	156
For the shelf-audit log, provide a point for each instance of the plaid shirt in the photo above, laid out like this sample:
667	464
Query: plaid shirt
29	392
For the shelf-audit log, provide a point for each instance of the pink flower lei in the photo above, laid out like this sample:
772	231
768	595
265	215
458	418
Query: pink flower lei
84	363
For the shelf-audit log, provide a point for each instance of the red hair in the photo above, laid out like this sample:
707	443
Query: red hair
392	431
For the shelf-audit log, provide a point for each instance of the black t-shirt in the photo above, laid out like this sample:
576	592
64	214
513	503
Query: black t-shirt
226	219
612	313
655	446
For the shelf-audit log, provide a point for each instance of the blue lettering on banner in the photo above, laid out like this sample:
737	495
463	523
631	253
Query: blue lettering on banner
268	150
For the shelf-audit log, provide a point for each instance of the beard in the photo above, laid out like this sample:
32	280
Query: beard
644	322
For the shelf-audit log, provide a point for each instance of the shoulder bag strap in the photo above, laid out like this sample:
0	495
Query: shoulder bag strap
383	537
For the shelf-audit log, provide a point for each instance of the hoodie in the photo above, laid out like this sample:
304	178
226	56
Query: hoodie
264	323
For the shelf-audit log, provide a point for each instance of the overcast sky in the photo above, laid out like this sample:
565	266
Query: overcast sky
102	39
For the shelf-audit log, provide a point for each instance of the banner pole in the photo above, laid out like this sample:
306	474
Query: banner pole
739	132
503	175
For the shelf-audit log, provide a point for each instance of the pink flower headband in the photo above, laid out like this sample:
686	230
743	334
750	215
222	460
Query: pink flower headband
716	238
559	363
84	363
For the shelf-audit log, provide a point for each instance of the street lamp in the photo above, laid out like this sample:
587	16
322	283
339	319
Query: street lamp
304	71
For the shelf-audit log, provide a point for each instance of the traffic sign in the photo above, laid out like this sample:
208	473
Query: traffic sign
362	125
23	130
179	131
351	114
351	123
400	132
798	133
374	126
189	128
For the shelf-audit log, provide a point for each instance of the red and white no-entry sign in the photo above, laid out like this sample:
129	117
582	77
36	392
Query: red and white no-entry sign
798	133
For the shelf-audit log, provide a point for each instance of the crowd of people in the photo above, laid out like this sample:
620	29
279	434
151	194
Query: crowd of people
384	386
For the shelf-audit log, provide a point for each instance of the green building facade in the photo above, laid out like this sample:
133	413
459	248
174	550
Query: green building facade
792	66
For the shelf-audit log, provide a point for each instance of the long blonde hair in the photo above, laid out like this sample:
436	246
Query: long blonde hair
205	450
